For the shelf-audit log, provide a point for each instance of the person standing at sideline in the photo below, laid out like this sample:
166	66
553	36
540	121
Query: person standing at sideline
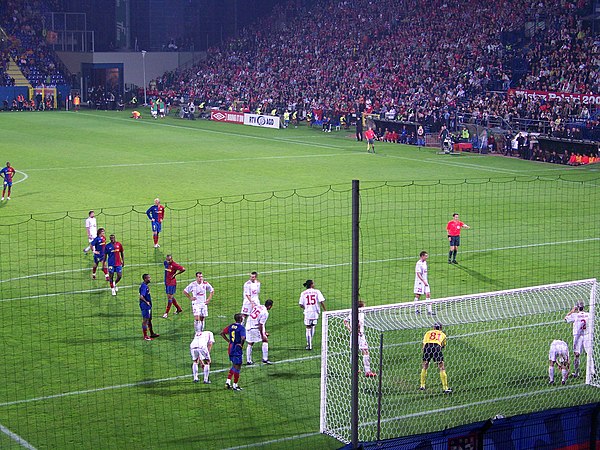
91	229
146	308
422	283
156	214
113	254
453	228
311	301
7	174
363	345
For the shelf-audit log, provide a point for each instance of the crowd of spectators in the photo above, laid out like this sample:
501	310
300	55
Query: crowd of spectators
24	33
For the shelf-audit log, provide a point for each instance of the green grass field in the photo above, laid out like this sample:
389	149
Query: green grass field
77	373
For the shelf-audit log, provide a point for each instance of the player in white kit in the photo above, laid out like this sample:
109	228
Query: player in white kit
256	331
197	292
559	355
91	229
311	301
422	283
581	336
200	348
250	295
363	346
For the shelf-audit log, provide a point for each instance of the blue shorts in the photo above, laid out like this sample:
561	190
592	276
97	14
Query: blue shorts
454	241
8	183
98	259
115	269
171	289
146	310
236	359
156	227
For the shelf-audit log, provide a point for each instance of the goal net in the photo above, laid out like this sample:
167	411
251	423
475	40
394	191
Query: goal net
496	361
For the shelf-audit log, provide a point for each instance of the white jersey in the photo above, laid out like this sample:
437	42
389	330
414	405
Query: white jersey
421	269
91	227
559	351
202	339
198	292
311	300
362	339
258	316
580	320
252	290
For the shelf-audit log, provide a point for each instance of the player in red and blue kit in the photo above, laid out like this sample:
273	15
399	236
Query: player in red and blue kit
113	254
172	269
146	308
97	245
7	174
235	334
156	214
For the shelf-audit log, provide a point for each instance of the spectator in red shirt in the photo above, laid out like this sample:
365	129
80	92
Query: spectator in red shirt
453	228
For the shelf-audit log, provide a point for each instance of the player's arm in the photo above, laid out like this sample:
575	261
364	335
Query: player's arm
143	299
149	214
210	296
122	256
224	333
263	332
178	270
188	295
464	225
347	324
301	302
420	277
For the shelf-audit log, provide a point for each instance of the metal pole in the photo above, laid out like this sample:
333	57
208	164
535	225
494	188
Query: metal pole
144	69
379	387
354	349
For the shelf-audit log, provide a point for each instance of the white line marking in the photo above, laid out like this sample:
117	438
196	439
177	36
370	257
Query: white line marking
302	267
15	437
25	176
275	441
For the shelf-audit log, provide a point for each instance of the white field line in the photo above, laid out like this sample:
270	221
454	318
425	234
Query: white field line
302	267
15	437
25	176
275	441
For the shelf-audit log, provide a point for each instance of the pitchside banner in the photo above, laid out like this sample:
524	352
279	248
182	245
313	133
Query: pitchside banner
258	120
227	116
585	99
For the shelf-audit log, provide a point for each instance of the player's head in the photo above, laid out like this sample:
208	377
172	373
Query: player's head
146	278
269	304
423	254
239	318
437	326
199	276
361	304
169	258
455	216
112	238
308	284
100	231
7	164
579	306
91	213
253	276
157	201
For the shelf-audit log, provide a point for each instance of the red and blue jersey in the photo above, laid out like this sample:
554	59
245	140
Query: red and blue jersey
114	254
171	268
7	173
236	332
99	244
156	213
145	293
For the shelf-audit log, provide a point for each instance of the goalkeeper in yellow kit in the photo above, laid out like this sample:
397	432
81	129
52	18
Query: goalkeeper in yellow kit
433	343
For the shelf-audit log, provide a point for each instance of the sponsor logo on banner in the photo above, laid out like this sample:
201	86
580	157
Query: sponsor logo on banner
258	120
227	116
585	99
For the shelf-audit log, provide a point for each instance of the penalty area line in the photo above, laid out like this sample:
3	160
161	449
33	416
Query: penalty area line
25	176
15	437
275	441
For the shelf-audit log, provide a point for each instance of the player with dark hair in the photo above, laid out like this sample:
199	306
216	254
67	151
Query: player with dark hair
433	343
559	355
156	214
363	345
311	301
146	308
453	228
91	228
172	269
113	254
581	336
235	335
7	174
256	331
98	245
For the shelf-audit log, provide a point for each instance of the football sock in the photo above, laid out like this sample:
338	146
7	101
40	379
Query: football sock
367	363
265	350
145	330
454	255
169	302
94	270
450	255
576	366
176	305
565	375
551	373
105	270
444	379
423	377
249	353
308	338
206	371
195	370
150	326
155	238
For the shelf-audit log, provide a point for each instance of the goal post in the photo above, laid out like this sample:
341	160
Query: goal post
496	361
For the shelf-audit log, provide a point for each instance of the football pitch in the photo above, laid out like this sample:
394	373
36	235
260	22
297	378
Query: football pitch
76	371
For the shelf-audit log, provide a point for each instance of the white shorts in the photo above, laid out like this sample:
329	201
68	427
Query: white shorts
580	342
362	342
421	289
199	309
200	353
247	307
558	350
310	322
253	335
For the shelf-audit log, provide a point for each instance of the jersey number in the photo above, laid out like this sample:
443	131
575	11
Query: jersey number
311	299
583	325
433	336
255	313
